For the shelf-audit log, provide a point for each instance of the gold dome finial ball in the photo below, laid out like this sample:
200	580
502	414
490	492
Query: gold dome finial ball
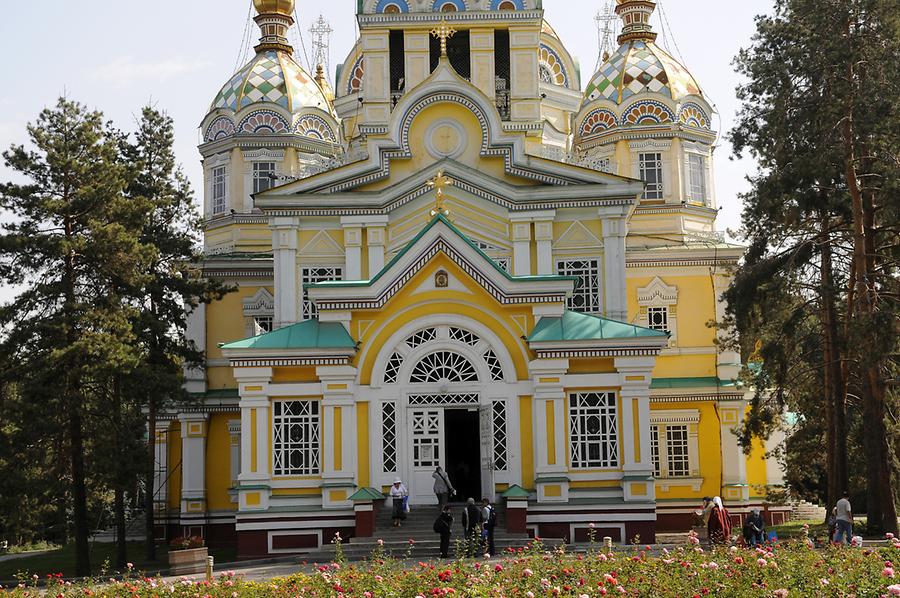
281	7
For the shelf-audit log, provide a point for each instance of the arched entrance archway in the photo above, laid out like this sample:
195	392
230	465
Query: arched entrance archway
447	396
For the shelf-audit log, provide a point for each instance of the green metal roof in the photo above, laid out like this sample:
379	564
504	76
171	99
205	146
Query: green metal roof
574	326
367	494
516	491
310	334
697	382
463	238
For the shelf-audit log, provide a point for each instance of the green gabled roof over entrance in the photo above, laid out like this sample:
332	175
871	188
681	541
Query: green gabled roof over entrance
310	334
698	382
438	218
574	326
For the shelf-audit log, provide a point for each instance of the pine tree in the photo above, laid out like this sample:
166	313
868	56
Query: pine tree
71	241
171	227
822	115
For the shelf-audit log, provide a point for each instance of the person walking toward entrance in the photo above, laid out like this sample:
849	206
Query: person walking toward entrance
442	487
399	495
844	520
472	520
490	522
443	526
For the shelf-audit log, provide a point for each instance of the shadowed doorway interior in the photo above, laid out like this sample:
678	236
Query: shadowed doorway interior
463	451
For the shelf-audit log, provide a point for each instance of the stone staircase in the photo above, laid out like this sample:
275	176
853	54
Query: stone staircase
805	511
418	527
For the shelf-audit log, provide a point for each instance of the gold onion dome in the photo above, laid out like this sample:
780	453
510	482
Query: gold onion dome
279	7
639	66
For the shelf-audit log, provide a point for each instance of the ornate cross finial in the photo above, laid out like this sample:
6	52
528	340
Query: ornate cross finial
443	31
438	183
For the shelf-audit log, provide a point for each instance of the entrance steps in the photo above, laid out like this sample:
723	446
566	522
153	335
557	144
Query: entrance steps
805	511
418	527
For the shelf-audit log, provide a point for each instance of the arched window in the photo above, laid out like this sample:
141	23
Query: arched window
444	366
506	5
449	5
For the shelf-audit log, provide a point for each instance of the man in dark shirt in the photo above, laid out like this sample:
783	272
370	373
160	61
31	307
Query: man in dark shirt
472	520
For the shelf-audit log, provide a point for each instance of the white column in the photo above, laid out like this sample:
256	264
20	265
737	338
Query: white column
549	411
375	238
193	466
734	462
353	252
284	248
521	238
635	377
339	442
254	476
615	229
543	234
195	378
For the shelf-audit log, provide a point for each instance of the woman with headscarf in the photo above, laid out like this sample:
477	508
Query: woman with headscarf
719	526
398	496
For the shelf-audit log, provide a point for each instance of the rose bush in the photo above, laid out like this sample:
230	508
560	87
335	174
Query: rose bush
790	569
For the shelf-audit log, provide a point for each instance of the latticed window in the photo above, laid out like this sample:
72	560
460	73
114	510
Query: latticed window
463	336
697	172
677	451
393	368
504	263
444	365
389	437
498	417
263	176
658	318
586	297
296	443
421	337
219	175
426	438
651	172
593	430
654	450
494	365
313	275
263	324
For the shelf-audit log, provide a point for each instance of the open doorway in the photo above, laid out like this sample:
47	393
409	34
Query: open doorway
463	450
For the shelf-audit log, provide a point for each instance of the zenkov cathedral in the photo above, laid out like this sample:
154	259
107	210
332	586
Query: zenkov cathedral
459	256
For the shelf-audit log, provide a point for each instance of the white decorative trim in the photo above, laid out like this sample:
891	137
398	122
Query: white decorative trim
659	296
457	151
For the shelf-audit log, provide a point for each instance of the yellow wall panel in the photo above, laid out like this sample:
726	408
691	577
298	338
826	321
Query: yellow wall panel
756	468
362	444
294	374
526	440
218	462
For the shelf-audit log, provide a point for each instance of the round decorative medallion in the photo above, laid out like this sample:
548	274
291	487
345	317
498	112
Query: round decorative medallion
445	139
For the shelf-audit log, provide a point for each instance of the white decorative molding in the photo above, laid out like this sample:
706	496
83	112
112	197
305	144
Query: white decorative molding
658	301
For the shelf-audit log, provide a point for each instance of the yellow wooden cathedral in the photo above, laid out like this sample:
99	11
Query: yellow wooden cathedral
459	256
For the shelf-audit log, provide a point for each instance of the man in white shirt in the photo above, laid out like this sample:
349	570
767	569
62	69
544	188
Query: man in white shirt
844	520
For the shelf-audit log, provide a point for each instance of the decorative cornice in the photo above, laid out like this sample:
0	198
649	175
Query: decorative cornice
431	18
671	262
243	362
254	142
604	352
698	397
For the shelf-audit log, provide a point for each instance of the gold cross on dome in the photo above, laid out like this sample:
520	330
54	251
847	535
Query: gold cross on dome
438	183
443	31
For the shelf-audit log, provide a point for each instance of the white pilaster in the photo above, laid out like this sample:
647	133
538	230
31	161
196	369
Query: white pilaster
284	248
339	475
521	238
193	465
255	476
375	239
615	229
543	234
549	411
195	378
352	252
635	377
734	462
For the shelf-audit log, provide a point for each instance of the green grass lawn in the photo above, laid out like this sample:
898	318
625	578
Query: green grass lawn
62	560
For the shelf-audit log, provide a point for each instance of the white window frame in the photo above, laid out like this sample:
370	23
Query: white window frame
251	158
566	267
218	179
702	151
696	179
660	422
657	295
308	309
313	447
260	306
658	193
581	440
268	180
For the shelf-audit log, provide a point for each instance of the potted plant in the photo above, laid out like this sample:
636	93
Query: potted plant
187	554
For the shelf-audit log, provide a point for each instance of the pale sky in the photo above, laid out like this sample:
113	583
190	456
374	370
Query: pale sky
117	56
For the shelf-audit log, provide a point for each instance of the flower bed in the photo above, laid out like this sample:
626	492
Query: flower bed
791	569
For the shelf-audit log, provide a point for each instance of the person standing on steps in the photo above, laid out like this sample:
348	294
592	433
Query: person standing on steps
399	495
472	520
443	526
490	522
442	487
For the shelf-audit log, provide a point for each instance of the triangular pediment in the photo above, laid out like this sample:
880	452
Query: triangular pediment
577	236
440	237
322	245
